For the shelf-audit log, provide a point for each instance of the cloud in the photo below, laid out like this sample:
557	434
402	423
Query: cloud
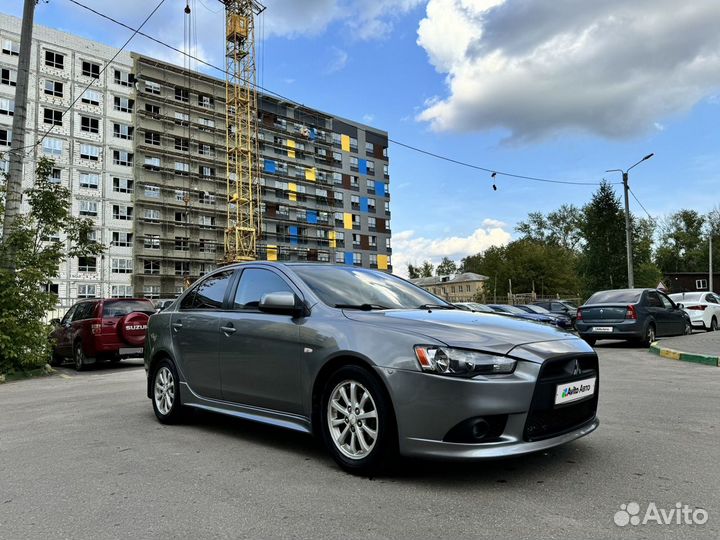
368	118
537	68
408	248
338	61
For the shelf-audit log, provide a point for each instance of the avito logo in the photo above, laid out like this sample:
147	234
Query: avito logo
572	390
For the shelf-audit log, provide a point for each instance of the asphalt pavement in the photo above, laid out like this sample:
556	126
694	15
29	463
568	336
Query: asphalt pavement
82	456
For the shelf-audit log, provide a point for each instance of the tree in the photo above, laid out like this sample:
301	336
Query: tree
604	258
683	244
561	227
446	267
24	340
426	270
413	271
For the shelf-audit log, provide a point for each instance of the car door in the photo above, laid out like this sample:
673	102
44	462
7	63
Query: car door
675	315
260	353
196	334
712	309
656	310
62	333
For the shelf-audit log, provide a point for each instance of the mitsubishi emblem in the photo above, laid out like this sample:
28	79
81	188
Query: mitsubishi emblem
577	370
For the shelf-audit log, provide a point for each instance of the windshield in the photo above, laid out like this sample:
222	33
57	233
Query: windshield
341	285
615	297
538	309
481	307
123	307
513	309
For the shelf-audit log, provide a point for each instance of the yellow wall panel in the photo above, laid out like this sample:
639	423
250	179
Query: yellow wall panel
382	262
333	239
347	220
345	143
272	253
292	186
311	174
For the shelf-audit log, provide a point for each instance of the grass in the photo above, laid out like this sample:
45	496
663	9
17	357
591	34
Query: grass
27	374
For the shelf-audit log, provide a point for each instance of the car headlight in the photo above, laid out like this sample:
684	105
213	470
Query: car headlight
461	362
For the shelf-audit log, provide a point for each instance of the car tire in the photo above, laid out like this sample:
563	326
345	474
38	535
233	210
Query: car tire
590	341
649	337
688	328
713	324
166	393
79	357
358	426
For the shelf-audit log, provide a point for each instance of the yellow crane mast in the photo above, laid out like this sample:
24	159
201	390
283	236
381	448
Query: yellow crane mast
241	106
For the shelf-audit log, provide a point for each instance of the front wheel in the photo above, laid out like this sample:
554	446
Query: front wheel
713	325
357	421
688	328
79	357
166	393
649	335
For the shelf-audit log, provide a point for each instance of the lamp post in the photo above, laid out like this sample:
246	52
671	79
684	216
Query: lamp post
628	232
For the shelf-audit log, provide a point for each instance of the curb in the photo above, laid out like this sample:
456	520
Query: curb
707	360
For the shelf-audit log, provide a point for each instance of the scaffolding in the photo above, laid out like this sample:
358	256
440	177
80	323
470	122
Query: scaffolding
243	188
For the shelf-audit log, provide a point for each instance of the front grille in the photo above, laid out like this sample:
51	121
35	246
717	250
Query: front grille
545	419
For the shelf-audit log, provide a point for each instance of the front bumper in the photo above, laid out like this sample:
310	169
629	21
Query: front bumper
429	408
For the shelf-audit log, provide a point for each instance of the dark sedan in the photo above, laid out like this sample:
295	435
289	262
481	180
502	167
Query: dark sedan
515	311
559	319
370	363
631	314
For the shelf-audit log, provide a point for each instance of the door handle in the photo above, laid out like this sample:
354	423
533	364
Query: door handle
177	326
230	329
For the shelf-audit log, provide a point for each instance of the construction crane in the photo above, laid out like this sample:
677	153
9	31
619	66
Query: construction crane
241	113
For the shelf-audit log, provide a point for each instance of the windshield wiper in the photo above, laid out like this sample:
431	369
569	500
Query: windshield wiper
435	306
362	307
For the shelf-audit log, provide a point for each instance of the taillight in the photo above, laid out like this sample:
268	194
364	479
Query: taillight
697	308
579	314
96	329
631	313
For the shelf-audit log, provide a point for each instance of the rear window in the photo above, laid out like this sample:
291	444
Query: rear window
615	297
123	307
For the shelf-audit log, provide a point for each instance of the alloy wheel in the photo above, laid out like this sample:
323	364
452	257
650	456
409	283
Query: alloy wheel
650	334
164	390
352	418
713	325
79	357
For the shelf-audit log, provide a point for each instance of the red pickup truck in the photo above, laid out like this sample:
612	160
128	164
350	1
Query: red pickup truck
101	329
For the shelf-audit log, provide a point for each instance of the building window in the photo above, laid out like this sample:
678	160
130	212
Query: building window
152	110
372	223
373	260
370	167
53	88
123	213
10	47
122	185
122	157
181	144
123	131
387	244
370	186
182	243
152	162
207	246
181	94
121	291
92	97
206	123
152	88
357	259
52	146
87	291
52	117
206	150
122	239
353	163
7	106
182	118
55	175
386	170
356	240
206	198
701	284
123	104
339	257
152	192
53	59
182	268
151	241
91	69
151	266
152	138
206	101
123	78
89	125
182	196
182	168
151	291
152	215
88	151
8	76
207	221
206	171
354	182
89	180
87	264
121	266
355	202
181	217
88	208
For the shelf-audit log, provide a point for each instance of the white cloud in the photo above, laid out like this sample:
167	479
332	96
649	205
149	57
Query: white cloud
368	118
408	248
537	68
338	61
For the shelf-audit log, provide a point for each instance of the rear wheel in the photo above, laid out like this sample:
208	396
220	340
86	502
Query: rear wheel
357	421
713	324
688	328
79	357
166	393
649	335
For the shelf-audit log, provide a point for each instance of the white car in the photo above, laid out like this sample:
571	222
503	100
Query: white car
702	307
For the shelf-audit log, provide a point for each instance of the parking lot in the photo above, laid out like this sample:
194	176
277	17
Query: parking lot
82	456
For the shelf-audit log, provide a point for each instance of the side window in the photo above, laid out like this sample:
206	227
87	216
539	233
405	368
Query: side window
254	283
653	300
667	303
83	311
557	306
209	294
69	315
710	298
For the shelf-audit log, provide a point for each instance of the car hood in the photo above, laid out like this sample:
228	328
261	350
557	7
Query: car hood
481	331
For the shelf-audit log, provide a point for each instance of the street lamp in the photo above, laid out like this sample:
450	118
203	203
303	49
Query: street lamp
628	232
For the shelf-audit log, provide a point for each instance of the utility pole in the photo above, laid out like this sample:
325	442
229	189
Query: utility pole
710	280
13	197
628	231
628	234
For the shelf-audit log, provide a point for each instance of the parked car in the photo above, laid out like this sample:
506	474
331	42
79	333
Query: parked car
562	307
371	363
162	303
473	306
101	329
515	311
559	319
630	314
703	308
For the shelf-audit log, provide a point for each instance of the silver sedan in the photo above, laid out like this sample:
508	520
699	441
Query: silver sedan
370	363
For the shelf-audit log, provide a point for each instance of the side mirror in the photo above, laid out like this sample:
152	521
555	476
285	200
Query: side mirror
680	306
282	303
55	322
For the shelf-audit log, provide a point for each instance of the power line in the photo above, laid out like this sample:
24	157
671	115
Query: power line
641	204
298	104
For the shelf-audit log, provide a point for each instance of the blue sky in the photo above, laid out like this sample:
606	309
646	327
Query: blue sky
561	90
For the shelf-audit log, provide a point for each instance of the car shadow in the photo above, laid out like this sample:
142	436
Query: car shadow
122	365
